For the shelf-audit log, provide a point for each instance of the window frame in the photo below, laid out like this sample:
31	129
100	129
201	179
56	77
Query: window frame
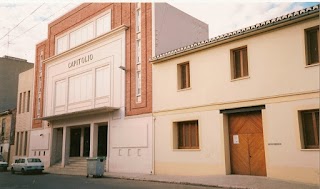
303	134
187	78
243	73
84	26
190	134
307	45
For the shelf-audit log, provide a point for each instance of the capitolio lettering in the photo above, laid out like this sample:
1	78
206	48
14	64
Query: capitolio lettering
80	61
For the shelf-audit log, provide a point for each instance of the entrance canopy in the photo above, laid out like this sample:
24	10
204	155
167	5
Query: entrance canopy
78	113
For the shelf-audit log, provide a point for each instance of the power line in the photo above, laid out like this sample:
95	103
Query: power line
22	20
38	23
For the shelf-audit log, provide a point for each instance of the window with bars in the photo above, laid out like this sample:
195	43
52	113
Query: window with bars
239	62
310	128
188	135
312	45
183	76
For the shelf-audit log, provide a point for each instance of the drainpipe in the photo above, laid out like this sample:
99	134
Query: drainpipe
153	144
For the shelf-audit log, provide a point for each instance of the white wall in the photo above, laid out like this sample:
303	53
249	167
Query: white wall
86	78
277	66
278	78
40	144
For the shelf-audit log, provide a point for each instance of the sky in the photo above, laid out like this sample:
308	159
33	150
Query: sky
23	24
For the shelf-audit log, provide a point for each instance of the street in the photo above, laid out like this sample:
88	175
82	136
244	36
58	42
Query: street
52	181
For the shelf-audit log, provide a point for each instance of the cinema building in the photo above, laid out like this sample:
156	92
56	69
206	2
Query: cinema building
245	102
93	89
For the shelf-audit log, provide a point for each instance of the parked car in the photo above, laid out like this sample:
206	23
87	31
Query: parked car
3	164
27	164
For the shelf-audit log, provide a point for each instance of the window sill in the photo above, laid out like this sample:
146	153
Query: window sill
312	65
310	149
185	89
240	78
179	150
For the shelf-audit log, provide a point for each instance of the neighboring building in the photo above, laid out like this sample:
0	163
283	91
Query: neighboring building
93	88
23	116
7	121
10	68
246	102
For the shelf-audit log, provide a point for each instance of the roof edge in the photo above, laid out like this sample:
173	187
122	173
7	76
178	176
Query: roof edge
264	26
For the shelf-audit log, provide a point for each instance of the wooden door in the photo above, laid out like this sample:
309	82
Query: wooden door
246	144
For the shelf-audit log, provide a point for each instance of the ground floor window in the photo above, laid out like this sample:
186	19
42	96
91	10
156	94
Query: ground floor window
187	135
310	128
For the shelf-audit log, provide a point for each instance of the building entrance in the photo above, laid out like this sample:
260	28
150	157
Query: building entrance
80	142
102	140
75	136
246	144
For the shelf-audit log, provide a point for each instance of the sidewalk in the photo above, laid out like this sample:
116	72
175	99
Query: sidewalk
223	181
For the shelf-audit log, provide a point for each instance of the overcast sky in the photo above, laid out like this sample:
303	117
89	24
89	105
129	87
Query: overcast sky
28	22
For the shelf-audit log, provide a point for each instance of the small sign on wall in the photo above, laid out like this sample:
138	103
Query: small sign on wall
235	139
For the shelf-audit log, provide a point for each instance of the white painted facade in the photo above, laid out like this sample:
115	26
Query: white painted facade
279	79
86	87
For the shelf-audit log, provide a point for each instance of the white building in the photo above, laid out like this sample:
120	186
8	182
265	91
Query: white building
246	102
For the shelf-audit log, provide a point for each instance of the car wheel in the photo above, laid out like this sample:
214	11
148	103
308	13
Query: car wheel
12	171
23	171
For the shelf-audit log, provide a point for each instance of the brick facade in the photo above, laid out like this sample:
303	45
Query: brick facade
121	14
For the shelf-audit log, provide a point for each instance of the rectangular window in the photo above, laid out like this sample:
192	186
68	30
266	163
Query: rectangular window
310	128
17	143
60	93
80	88
103	24
312	45
138	87
138	51
20	142
62	44
20	99
81	35
103	81
188	135
25	143
3	126
28	102
239	62
24	102
183	76
38	107
138	17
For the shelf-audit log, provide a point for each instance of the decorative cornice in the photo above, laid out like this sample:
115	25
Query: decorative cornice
238	33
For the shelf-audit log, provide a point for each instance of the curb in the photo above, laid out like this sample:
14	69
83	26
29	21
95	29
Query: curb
175	182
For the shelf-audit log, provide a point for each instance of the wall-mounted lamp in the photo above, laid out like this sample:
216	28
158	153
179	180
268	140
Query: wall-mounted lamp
48	124
41	134
122	68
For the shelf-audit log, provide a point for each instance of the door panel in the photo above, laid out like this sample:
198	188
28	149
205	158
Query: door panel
248	156
239	156
257	155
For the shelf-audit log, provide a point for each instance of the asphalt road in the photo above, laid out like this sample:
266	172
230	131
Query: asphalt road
51	181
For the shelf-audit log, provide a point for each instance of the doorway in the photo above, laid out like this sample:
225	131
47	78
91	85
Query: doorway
86	142
247	156
75	137
102	140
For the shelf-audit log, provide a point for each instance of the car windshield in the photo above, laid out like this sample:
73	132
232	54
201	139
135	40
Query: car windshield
33	160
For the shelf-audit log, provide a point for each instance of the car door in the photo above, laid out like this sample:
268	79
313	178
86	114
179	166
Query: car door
16	165
22	164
